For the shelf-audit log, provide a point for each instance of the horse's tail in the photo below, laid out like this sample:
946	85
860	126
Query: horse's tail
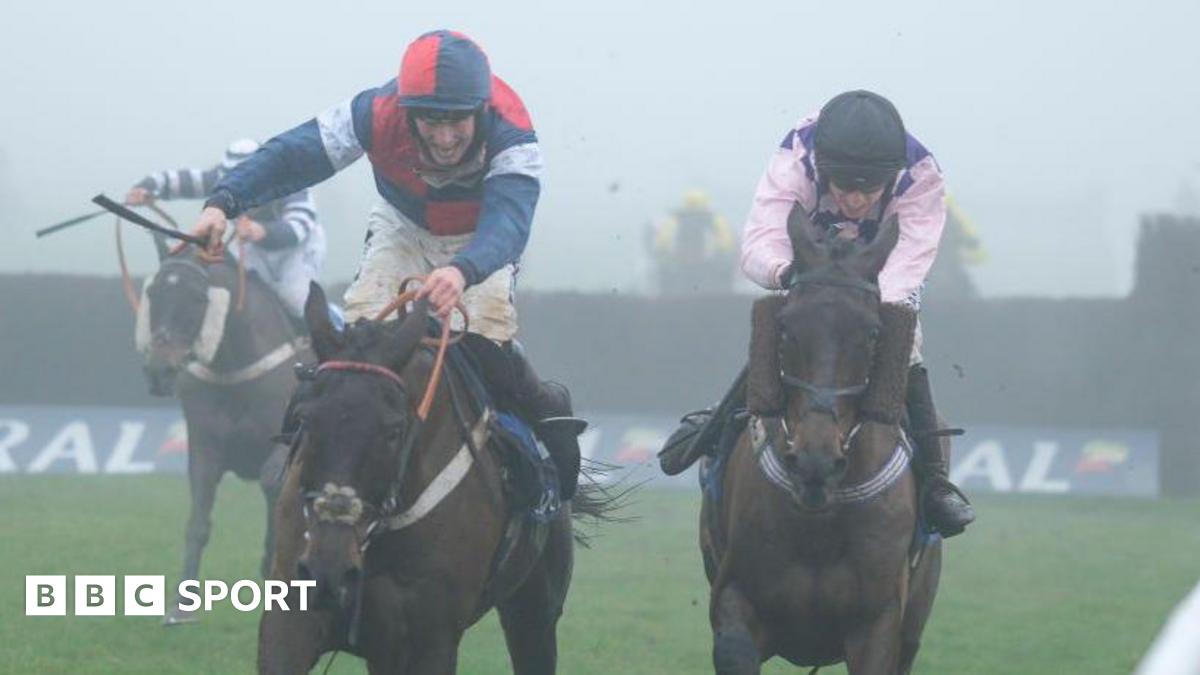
598	501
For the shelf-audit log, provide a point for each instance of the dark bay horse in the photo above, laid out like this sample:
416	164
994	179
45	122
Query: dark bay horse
399	516
809	547
231	369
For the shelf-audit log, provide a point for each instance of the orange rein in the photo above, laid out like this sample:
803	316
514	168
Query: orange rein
441	342
131	297
126	281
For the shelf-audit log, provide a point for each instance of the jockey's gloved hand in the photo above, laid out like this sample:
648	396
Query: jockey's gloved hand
250	230
444	288
138	195
211	226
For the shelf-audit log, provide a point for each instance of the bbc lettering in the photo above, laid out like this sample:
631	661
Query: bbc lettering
145	595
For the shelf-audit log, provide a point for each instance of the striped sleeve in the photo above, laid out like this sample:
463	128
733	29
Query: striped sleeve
300	213
180	183
298	218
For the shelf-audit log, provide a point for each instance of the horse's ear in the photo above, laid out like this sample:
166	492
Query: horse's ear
806	252
406	334
870	259
326	340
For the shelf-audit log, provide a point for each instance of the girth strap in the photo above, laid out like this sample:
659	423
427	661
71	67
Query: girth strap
443	484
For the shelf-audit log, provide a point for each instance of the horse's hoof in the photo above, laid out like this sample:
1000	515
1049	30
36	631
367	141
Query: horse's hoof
179	617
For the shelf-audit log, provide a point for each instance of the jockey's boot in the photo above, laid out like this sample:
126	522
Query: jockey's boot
946	508
701	432
546	406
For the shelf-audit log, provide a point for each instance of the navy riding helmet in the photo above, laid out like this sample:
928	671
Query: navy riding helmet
859	141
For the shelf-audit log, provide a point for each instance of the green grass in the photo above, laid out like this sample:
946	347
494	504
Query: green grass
1039	585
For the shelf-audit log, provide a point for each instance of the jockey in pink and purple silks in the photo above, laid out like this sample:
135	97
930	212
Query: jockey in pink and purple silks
851	167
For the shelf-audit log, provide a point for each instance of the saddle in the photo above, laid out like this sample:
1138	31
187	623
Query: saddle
529	473
530	478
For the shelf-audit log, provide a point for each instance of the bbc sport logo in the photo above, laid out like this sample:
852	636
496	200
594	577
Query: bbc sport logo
146	595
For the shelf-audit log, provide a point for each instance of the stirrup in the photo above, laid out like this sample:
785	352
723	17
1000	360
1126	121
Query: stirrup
930	483
938	433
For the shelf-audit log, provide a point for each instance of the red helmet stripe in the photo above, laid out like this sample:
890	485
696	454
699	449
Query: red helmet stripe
418	69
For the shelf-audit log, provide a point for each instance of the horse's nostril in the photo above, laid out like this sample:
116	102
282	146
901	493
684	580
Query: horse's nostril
839	465
791	462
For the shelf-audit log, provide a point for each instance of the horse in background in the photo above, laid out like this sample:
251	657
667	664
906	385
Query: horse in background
221	342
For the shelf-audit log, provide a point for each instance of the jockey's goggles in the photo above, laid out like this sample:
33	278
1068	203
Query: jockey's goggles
860	180
436	116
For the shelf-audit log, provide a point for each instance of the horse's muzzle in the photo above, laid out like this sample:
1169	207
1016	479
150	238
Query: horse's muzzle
812	498
333	591
338	574
163	363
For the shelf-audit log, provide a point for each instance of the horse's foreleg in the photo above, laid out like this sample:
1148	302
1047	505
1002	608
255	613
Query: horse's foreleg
530	616
204	474
437	658
270	479
873	648
737	635
923	590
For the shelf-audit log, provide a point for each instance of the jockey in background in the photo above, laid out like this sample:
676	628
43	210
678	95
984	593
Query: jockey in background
693	251
284	243
457	165
850	167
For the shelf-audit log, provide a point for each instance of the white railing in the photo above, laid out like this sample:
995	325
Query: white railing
1176	650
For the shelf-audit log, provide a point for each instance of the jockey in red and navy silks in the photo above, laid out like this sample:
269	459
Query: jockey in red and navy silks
492	193
457	165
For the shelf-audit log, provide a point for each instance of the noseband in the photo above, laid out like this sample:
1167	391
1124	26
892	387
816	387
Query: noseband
823	399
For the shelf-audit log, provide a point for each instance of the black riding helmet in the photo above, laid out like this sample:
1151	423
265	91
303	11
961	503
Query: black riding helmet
859	142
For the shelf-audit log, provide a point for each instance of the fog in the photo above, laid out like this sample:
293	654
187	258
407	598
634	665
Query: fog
1056	123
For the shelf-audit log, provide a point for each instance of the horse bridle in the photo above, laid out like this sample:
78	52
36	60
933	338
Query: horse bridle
342	505
350	502
822	398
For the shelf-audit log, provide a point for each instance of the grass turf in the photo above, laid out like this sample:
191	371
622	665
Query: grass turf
1039	585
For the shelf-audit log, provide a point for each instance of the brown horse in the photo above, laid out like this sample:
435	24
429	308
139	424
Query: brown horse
231	370
405	523
809	545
